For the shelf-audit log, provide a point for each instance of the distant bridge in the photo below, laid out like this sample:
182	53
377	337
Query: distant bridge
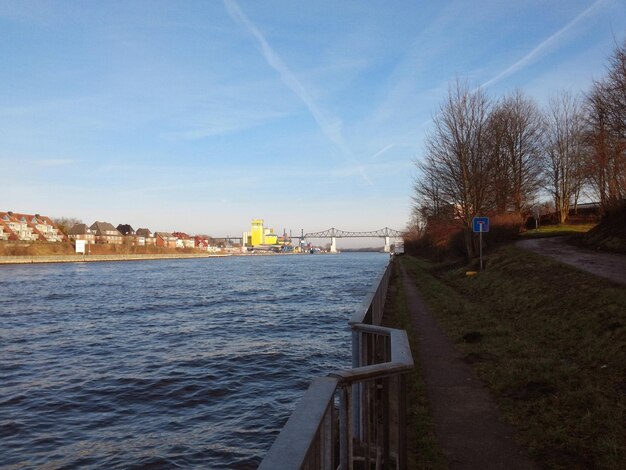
228	239
334	233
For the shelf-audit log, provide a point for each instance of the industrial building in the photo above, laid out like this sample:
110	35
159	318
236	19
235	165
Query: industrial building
259	235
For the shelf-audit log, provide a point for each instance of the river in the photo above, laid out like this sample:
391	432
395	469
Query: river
169	363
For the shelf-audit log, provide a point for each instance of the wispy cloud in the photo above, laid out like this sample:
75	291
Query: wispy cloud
29	11
222	123
330	126
380	169
381	151
389	147
538	50
55	162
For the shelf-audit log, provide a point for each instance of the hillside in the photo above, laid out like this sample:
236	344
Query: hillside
609	234
548	341
66	248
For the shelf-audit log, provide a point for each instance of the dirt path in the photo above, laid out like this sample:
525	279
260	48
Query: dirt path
608	265
466	420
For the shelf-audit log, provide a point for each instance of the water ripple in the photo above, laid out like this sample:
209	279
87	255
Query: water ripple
167	364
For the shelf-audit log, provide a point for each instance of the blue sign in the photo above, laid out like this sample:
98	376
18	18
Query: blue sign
480	224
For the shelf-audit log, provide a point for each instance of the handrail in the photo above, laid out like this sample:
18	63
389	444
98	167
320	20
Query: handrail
401	359
339	415
293	444
377	371
400	347
381	283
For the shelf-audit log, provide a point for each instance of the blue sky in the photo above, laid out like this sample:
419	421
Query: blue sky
199	116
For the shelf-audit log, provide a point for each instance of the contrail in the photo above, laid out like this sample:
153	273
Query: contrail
328	128
528	58
383	150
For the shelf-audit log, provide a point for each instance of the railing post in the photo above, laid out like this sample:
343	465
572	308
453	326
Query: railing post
344	429
402	451
327	452
356	343
357	348
386	421
372	403
366	435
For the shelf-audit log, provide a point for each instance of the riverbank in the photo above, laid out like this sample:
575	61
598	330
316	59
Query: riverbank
546	340
7	260
99	258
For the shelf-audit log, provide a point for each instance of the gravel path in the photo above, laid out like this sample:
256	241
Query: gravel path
467	423
607	265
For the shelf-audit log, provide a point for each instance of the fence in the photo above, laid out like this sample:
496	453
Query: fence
353	418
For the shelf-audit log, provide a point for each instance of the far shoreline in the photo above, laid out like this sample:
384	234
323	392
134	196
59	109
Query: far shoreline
78	258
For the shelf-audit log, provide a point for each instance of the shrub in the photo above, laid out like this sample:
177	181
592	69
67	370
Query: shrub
35	248
446	239
436	242
610	233
504	227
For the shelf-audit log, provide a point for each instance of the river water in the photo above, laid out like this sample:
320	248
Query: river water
168	363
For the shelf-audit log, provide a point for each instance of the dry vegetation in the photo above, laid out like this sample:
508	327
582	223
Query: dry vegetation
488	157
548	340
67	248
610	233
35	249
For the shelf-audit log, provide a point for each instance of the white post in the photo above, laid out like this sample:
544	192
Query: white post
333	245
480	235
387	245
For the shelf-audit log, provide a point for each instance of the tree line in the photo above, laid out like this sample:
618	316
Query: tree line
488	156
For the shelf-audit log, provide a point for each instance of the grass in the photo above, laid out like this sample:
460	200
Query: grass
610	233
66	248
35	249
549	342
423	449
557	231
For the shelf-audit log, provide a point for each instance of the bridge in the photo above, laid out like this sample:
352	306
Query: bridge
228	239
334	233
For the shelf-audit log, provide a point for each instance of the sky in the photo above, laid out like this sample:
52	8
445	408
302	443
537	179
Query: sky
199	116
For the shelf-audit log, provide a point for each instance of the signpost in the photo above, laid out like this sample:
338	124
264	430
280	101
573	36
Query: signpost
80	246
480	225
536	215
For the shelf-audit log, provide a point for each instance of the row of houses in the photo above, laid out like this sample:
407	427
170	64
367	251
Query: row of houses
28	227
106	233
33	228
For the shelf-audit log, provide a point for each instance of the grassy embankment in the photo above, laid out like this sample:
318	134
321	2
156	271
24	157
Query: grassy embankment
66	248
609	234
423	450
549	342
557	231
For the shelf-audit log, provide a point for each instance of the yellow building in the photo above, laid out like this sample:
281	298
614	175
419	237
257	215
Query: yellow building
259	235
269	237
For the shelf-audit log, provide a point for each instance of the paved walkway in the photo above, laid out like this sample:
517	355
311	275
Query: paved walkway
608	265
466	420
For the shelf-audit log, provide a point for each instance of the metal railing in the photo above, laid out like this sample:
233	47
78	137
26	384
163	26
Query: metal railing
354	418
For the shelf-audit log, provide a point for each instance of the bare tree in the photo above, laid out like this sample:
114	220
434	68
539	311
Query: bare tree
515	131
599	139
563	147
615	92
606	133
66	223
416	225
457	160
501	177
427	196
